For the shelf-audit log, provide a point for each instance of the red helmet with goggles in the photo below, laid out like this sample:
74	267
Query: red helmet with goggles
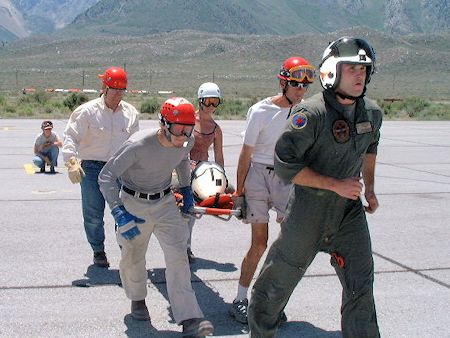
297	69
115	78
177	110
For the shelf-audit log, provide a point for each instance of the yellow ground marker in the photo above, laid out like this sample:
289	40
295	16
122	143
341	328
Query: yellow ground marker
29	168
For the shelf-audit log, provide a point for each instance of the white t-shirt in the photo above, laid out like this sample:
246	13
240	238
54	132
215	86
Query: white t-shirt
265	123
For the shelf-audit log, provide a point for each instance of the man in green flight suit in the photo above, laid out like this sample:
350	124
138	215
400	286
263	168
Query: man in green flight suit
328	150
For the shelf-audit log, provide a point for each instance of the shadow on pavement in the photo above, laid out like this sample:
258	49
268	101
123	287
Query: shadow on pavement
212	304
305	330
138	329
98	276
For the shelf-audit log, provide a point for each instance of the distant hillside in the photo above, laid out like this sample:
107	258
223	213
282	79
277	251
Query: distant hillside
12	24
243	65
281	17
44	16
260	17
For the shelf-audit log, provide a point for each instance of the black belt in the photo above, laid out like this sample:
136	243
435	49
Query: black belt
145	196
269	168
94	161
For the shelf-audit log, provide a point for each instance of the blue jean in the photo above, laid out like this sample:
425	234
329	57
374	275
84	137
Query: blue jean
52	153
93	205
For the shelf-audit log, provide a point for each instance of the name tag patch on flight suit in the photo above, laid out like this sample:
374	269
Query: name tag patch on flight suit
364	127
299	121
341	131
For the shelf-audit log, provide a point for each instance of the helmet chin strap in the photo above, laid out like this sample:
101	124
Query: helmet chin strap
168	135
350	97
288	100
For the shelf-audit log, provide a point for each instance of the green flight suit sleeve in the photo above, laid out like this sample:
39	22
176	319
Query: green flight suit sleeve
292	146
376	115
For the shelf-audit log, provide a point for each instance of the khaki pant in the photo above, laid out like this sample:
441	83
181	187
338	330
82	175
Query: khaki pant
164	219
264	191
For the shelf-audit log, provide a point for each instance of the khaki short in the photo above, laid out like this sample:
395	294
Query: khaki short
264	191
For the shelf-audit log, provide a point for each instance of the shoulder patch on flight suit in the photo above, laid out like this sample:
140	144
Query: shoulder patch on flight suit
299	120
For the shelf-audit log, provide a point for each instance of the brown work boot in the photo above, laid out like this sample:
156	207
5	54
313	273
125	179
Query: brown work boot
197	327
139	310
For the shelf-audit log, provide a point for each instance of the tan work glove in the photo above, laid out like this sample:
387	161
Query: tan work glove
76	173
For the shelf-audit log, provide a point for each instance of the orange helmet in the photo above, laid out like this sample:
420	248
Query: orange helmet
115	78
297	69
177	110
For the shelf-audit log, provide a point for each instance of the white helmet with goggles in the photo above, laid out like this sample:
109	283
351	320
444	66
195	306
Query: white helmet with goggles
208	179
347	50
208	89
209	94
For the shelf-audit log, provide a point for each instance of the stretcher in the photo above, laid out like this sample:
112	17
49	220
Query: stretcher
220	206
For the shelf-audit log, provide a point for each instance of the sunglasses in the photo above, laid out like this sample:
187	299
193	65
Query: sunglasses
181	129
210	101
296	84
117	90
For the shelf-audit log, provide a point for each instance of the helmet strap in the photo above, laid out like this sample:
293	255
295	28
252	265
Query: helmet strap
284	94
166	124
288	100
168	135
349	97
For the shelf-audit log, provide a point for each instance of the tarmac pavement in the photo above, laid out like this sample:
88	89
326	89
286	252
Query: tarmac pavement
50	288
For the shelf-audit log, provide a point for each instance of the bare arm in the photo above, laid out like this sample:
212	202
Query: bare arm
348	187
368	172
243	166
218	147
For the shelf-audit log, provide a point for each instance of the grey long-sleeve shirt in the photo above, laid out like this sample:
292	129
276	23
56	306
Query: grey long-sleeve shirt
143	164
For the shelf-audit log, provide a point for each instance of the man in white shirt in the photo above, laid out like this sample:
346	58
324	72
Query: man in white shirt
256	179
94	132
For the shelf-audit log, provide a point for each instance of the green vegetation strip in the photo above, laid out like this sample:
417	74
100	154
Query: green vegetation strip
55	106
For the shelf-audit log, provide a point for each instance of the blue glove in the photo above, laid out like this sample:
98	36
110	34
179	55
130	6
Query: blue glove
126	222
188	199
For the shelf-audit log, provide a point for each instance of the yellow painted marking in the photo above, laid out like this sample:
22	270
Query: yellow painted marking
43	192
29	168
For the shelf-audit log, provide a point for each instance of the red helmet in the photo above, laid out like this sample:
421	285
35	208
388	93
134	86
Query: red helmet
297	69
115	78
177	110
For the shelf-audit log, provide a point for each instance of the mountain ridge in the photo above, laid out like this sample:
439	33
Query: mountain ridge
260	17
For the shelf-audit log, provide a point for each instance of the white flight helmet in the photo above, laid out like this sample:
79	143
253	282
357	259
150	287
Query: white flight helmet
208	89
208	179
345	50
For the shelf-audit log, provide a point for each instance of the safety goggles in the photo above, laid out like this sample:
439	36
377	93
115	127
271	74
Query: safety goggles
177	129
302	73
210	101
296	84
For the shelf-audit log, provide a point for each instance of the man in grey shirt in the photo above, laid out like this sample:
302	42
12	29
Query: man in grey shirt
146	205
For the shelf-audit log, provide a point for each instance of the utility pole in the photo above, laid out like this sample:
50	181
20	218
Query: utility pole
149	79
